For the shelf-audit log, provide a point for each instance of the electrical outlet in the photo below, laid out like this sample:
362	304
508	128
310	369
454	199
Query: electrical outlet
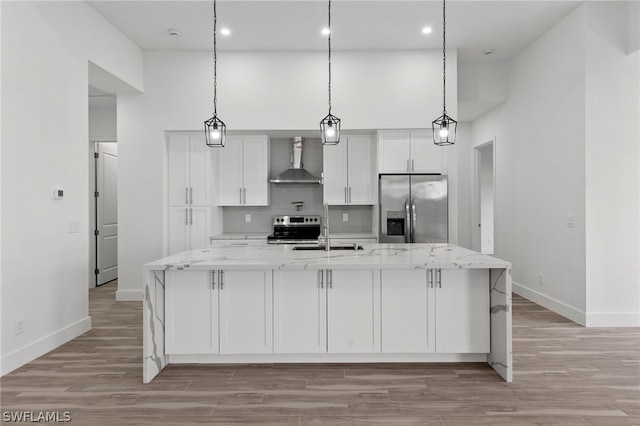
345	217
247	218
19	326
540	279
571	221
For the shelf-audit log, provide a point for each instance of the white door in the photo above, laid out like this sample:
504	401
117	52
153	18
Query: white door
463	311
199	229
107	212
179	229
299	312
246	317
353	311
191	313
200	181
361	179
426	157
178	169
408	312
255	171
334	167
230	165
394	151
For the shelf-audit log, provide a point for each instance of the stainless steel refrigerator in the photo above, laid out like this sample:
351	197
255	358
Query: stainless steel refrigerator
413	209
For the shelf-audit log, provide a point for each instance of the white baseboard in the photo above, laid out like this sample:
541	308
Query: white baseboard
550	303
20	357
600	319
607	319
129	296
323	358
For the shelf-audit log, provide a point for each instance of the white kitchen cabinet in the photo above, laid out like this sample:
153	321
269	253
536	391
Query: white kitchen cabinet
244	171
246	317
299	312
189	227
408	312
190	166
191	313
353	311
462	310
408	151
348	171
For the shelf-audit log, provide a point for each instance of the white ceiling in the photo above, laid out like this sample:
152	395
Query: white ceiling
472	26
505	26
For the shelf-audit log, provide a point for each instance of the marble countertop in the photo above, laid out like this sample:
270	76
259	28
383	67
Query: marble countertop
228	255
239	236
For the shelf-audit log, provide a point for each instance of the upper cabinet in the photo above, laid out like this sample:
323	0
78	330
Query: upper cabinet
244	171
190	165
408	151
348	171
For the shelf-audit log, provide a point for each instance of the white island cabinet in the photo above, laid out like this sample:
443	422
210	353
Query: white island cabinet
386	303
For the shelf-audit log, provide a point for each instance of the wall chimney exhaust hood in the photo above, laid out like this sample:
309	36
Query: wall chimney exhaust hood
295	173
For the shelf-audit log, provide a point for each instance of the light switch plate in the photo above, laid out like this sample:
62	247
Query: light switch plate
247	218
345	217
571	221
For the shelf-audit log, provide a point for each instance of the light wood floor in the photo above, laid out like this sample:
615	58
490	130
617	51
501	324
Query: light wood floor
564	375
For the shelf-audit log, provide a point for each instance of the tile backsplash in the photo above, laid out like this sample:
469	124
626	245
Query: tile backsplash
283	195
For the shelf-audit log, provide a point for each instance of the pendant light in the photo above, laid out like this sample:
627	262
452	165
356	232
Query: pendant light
215	130
330	125
444	127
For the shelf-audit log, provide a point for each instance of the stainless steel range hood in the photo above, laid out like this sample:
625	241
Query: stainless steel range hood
295	173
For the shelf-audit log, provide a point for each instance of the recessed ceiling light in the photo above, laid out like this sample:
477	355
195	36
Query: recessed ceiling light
225	31
173	32
488	52
326	31
426	30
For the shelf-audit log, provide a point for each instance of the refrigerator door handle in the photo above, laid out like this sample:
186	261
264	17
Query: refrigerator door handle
414	218
407	221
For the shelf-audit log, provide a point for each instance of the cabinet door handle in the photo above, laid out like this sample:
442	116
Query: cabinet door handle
345	194
430	278
439	275
244	195
240	195
186	216
321	277
221	280
213	279
191	216
190	195
186	195
330	278
349	201
412	165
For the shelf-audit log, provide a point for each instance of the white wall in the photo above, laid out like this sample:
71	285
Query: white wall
46	47
257	91
102	119
539	165
555	157
612	169
486	197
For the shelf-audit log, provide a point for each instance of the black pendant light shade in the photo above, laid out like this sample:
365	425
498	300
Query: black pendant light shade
444	127
330	125
330	130
214	129
444	130
215	132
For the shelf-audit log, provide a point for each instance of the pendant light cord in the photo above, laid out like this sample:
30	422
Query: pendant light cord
329	57
444	58
215	60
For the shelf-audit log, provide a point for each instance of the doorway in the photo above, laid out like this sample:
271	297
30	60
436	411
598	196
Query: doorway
484	217
106	212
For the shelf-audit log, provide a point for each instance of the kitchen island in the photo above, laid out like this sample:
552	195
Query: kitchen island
251	302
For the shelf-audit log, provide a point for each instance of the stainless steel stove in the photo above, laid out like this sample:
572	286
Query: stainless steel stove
295	229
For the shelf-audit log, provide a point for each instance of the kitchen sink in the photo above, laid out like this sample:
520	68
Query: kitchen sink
318	248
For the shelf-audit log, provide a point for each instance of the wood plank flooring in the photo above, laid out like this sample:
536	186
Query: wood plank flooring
564	375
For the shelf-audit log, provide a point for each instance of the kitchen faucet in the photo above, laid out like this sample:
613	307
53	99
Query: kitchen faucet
325	228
